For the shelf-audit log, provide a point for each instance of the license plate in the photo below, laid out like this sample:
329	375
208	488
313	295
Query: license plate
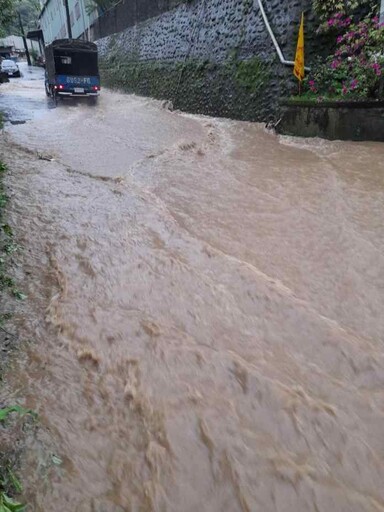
79	89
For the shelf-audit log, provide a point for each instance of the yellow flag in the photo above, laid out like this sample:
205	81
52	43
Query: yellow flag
299	70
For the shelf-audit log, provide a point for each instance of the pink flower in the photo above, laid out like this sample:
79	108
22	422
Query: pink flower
344	90
354	84
376	68
340	39
335	64
312	85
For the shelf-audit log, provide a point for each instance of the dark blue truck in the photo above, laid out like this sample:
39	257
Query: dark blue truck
71	69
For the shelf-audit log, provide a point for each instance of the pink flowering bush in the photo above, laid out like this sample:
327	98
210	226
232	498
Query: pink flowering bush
356	69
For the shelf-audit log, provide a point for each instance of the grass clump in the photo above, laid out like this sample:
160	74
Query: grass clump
7	244
9	483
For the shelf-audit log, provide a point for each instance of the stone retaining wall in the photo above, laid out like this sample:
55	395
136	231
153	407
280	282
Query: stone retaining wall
209	56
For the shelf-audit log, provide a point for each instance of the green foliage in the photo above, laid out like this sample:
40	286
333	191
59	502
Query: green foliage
196	85
29	12
8	480
34	54
6	411
6	13
8	504
13	481
325	9
4	317
3	197
9	483
252	74
7	245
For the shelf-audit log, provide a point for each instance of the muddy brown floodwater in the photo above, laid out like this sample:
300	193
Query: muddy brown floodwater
205	302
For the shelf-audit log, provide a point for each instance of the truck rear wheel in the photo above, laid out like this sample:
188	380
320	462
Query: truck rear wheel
54	95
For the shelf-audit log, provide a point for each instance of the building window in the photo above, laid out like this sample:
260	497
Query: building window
77	10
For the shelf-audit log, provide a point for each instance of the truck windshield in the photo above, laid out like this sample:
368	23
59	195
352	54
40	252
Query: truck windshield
76	63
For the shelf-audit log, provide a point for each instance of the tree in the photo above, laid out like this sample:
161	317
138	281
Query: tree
29	12
6	14
328	8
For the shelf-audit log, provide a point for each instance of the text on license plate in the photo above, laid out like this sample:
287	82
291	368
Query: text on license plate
79	89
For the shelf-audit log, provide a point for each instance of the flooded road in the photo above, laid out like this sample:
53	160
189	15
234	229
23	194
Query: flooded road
205	303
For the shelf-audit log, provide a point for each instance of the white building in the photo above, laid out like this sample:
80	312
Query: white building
53	21
14	46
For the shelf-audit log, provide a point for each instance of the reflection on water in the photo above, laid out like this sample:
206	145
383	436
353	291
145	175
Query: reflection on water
206	302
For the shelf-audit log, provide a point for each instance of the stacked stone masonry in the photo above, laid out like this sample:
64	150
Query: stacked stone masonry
209	56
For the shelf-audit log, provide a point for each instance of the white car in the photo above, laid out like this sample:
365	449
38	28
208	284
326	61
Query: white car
10	68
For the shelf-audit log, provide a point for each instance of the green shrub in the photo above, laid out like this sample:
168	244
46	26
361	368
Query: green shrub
326	9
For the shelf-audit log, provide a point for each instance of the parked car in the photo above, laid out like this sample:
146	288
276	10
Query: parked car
10	68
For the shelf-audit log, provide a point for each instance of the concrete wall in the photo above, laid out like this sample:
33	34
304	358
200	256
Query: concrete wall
359	121
209	56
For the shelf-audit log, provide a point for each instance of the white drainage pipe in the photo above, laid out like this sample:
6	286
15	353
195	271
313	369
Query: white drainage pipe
283	60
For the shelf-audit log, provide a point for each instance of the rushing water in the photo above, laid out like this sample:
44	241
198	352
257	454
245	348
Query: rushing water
206	304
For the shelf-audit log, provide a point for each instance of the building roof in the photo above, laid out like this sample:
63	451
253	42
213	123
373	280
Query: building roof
15	42
35	35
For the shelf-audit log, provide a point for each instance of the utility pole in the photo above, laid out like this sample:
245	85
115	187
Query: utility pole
69	28
382	12
24	40
83	11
